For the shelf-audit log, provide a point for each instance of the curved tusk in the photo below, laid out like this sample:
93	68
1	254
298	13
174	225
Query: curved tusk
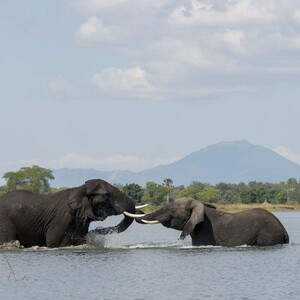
141	206
150	222
133	215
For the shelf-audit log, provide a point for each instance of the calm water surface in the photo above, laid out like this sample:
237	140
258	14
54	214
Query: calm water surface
149	262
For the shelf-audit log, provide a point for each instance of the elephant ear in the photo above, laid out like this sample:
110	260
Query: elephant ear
80	204
196	217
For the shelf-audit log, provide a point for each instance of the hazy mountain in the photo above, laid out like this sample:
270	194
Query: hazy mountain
231	162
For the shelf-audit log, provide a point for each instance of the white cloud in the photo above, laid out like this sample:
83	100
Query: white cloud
296	16
182	51
172	60
287	153
94	31
115	81
194	45
91	7
233	13
191	63
60	85
236	41
116	21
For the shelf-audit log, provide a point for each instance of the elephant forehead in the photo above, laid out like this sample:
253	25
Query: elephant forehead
96	181
98	186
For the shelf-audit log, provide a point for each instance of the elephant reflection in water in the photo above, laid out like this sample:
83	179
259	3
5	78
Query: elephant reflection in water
208	226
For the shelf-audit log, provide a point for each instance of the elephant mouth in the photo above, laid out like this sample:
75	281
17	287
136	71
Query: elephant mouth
99	213
100	218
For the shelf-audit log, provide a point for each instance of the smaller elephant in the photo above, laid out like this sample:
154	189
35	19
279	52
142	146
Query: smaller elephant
63	218
209	226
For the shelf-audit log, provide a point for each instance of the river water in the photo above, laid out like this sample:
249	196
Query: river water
149	262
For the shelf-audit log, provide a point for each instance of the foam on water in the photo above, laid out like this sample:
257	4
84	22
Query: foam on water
112	241
167	246
93	241
13	245
108	242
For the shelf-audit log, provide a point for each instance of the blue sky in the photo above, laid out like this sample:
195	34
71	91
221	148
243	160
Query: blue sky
124	84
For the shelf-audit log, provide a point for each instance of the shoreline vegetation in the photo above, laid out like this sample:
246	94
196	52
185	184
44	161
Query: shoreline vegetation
291	207
268	206
282	196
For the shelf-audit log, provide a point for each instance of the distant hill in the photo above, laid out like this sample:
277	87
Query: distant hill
230	162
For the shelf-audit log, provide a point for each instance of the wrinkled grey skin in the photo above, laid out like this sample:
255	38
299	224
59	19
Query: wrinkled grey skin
209	226
63	218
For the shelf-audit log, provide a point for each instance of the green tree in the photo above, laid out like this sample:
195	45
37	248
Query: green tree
176	190
35	179
119	186
281	197
293	195
258	191
292	182
230	197
155	194
209	194
223	187
192	190
134	191
271	194
3	190
247	197
241	187
168	183
260	194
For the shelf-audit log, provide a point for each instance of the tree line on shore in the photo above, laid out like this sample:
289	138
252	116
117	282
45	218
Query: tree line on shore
36	179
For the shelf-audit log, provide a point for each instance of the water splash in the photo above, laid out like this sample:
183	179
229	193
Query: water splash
111	241
167	246
13	245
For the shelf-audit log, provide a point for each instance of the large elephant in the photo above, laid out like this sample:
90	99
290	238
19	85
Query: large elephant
209	226
63	218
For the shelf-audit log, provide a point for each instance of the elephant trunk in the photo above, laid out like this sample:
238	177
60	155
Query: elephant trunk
119	207
123	204
127	221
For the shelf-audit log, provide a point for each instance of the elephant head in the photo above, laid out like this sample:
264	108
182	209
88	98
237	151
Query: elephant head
96	200
183	215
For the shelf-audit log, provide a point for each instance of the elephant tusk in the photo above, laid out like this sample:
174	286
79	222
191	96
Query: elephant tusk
141	206
150	222
133	215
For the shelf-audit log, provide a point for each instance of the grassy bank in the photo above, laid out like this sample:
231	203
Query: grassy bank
267	206
240	207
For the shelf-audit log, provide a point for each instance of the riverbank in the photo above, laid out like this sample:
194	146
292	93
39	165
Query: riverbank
267	206
239	207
